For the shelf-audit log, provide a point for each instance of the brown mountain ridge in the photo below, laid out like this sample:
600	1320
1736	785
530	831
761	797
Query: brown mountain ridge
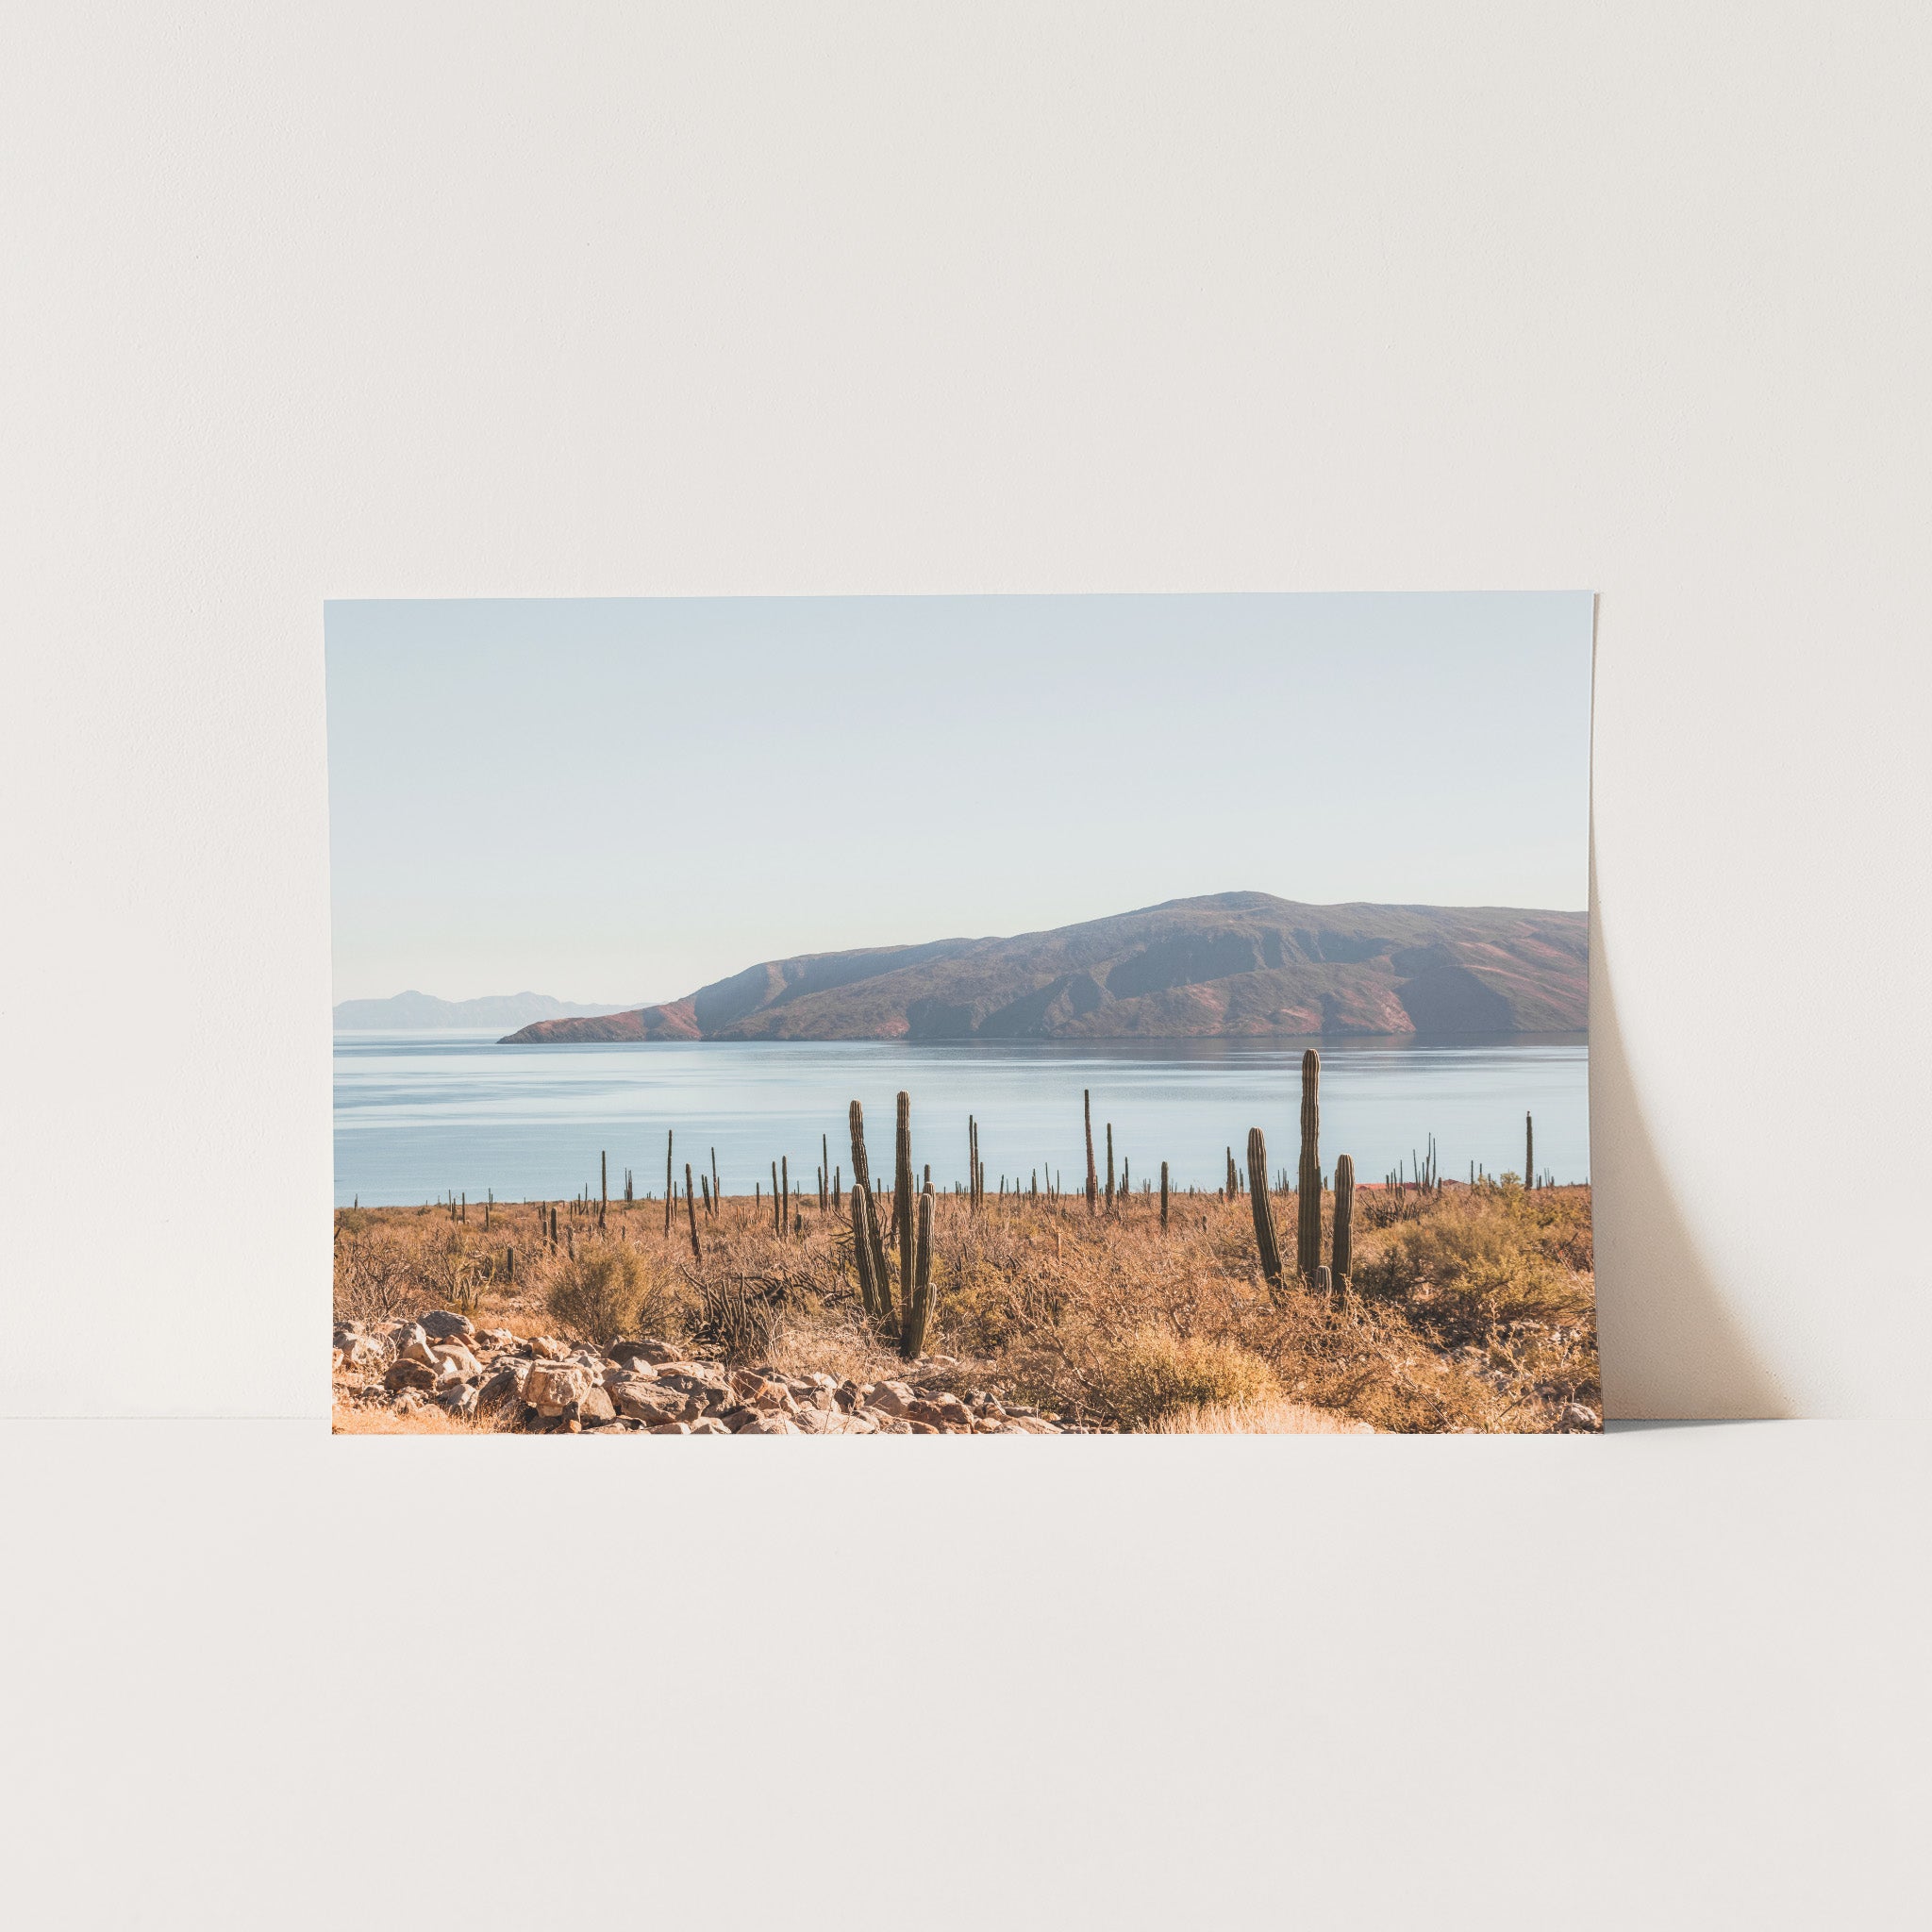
1235	964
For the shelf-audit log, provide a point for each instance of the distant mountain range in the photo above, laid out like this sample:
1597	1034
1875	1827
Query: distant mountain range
421	1012
1237	964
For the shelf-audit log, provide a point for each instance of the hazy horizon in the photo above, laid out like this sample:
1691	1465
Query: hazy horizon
619	800
623	1002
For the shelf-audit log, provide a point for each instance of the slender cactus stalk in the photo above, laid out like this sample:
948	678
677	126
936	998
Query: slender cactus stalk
1109	1167
919	1289
717	1192
862	1252
1308	1246
691	1215
1264	1212
824	1172
861	1180
670	1183
1163	1197
902	1199
785	1193
1093	1178
1341	1263
1528	1151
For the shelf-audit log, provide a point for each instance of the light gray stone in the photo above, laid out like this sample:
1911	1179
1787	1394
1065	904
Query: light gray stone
646	1399
555	1388
891	1398
504	1389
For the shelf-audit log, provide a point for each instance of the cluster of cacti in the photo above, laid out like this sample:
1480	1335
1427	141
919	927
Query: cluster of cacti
912	1223
898	1297
1421	1171
1307	1243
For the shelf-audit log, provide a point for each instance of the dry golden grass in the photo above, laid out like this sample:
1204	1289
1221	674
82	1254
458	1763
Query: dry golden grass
1272	1416
1471	1310
350	1419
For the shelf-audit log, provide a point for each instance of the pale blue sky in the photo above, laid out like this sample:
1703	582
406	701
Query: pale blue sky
625	799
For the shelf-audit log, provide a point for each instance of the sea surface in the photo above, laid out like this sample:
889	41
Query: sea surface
418	1115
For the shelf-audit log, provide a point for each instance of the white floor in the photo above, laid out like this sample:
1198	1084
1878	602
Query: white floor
1675	1677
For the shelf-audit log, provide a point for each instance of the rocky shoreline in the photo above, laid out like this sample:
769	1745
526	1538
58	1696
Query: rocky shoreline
541	1384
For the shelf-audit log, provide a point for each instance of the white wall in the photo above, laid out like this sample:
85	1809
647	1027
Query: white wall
551	300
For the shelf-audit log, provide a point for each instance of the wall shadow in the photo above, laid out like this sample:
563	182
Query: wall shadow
1671	1348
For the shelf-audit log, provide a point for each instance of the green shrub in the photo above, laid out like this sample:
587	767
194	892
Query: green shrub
602	1293
1475	1268
1152	1374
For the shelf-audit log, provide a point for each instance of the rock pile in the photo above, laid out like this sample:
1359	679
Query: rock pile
659	1388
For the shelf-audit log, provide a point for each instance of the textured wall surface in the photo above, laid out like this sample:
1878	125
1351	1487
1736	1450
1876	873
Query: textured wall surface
359	300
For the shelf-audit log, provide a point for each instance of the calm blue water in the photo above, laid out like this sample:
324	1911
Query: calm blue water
418	1114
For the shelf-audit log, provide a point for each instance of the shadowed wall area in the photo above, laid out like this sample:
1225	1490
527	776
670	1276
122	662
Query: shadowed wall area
1670	1346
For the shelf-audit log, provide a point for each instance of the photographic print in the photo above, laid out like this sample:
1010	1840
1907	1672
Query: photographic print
1004	1015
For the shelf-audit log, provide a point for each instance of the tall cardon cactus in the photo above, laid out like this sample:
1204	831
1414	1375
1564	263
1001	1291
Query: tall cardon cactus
1342	1264
862	1242
861	1181
1308	1242
902	1198
1264	1211
918	1280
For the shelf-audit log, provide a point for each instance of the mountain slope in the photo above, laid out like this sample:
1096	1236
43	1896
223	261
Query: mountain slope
421	1011
1233	964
